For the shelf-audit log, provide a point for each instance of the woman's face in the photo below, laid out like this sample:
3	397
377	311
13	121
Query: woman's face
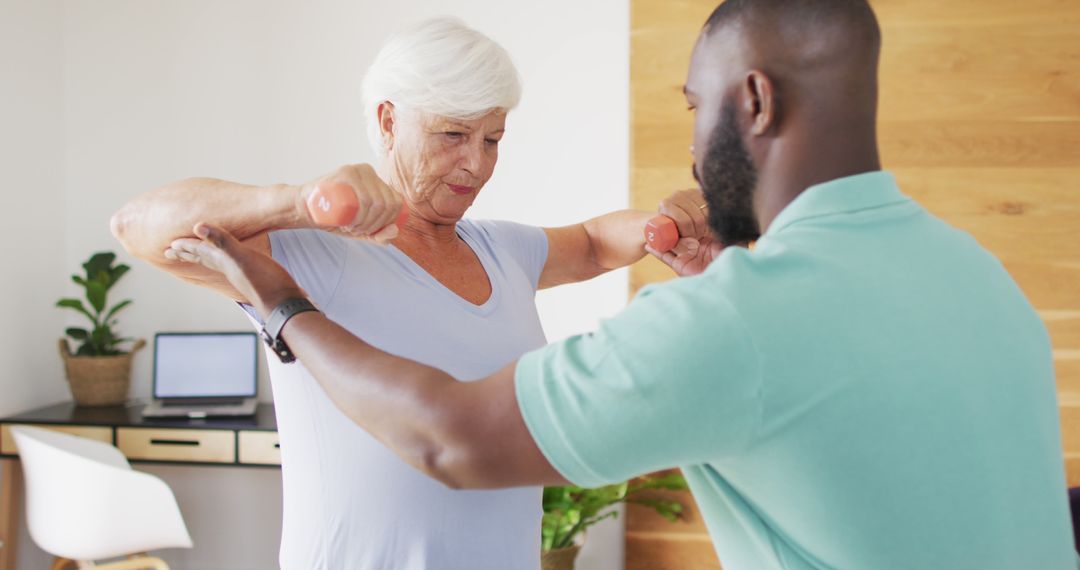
441	163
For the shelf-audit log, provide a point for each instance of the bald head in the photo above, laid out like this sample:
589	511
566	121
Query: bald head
785	91
817	51
851	19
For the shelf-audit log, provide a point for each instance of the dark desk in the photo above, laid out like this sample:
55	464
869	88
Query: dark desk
251	442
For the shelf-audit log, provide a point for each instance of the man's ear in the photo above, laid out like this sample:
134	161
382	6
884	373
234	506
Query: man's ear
759	99
386	124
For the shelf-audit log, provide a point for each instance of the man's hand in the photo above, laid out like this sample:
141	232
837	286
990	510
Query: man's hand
696	247
379	203
257	277
696	255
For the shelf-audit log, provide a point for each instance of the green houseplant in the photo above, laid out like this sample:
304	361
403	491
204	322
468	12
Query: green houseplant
98	371
569	510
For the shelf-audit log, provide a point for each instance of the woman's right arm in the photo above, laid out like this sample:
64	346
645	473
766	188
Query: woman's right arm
148	224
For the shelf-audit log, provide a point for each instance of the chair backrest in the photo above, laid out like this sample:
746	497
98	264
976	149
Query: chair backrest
84	502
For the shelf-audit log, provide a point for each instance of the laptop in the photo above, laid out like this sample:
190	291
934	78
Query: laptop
203	375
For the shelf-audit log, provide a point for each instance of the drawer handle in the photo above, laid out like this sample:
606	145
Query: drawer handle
187	442
277	446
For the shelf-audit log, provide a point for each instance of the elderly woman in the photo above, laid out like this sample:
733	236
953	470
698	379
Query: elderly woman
453	293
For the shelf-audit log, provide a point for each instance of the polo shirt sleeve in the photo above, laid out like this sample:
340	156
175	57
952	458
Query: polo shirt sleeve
673	380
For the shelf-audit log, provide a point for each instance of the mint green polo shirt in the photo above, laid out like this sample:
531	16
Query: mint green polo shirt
866	389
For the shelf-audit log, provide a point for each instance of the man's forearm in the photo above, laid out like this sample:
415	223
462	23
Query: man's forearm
405	405
618	239
149	223
464	434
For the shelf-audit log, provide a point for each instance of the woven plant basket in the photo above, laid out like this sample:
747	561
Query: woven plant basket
98	380
561	559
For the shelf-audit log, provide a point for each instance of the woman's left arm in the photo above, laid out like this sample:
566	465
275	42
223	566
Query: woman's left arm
593	247
582	251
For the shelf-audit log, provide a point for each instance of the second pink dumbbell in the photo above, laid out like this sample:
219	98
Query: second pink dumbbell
661	233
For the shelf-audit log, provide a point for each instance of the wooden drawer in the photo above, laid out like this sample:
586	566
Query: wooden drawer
96	433
195	445
259	447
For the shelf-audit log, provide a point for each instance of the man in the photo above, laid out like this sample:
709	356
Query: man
866	388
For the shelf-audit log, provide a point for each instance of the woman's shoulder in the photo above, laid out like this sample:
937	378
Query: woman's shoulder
526	245
497	230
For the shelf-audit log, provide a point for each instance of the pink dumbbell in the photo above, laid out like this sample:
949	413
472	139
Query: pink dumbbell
335	204
661	233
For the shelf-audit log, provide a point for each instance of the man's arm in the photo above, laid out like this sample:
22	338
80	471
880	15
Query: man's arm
464	434
582	251
149	224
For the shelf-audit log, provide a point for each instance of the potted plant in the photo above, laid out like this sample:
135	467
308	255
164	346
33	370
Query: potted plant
569	510
98	371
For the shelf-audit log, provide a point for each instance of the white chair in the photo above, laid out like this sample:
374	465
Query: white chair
85	503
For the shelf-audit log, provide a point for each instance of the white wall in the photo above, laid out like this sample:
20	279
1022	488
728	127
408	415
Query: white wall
268	91
32	234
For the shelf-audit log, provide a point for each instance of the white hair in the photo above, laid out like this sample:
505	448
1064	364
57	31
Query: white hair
439	66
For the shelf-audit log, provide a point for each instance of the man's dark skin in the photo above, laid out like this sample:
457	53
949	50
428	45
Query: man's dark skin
784	98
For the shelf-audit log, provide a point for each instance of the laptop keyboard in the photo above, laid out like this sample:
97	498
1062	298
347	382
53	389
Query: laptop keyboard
201	402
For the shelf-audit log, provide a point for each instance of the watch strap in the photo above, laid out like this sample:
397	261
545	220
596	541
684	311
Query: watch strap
275	322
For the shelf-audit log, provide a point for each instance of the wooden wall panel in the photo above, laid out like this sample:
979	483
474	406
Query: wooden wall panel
980	121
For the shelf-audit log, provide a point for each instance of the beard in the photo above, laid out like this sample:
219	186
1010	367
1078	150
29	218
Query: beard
727	181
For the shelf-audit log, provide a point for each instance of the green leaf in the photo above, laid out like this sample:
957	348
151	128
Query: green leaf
78	280
99	262
670	510
103	337
102	277
116	273
87	349
77	333
105	341
612	514
569	510
95	293
116	309
115	343
78	306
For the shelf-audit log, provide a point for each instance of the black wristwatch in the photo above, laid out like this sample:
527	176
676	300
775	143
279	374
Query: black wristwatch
271	331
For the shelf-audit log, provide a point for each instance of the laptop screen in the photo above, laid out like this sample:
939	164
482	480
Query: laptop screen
203	365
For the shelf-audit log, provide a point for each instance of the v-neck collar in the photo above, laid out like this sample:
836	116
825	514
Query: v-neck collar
421	274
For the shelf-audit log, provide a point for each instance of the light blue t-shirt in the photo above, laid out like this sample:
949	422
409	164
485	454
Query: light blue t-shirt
350	503
867	389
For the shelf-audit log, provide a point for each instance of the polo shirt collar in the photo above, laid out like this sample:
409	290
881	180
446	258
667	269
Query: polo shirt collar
843	195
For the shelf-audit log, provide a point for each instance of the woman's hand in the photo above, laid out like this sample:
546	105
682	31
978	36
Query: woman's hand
379	204
255	275
696	247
